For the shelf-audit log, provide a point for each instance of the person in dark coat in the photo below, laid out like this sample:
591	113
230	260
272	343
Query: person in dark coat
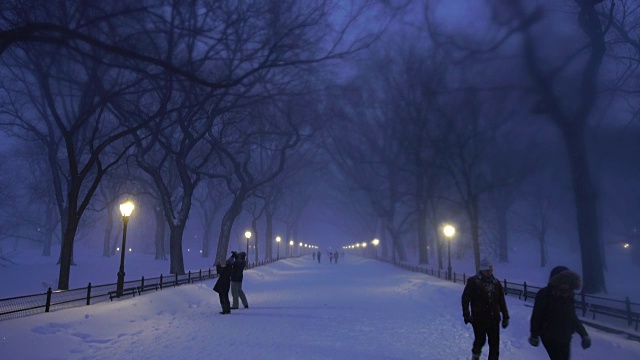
486	296
223	284
554	318
237	268
319	253
336	256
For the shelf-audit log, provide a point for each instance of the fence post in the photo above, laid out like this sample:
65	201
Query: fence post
525	291
48	305
176	280
454	277
628	304
189	278
209	273
505	286
160	281
89	294
200	274
142	283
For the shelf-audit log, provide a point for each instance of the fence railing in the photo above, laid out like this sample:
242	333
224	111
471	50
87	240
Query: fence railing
618	312
53	300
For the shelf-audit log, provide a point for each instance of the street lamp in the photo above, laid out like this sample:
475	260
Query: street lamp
290	248
278	241
449	231
247	234
299	249
375	243
125	208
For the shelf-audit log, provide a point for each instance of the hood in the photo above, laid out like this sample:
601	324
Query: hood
566	277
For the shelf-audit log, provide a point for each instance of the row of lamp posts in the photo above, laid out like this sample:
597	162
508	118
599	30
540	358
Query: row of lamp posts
127	207
448	230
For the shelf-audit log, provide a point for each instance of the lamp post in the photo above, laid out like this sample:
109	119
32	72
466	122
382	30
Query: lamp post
125	209
299	249
247	234
290	248
375	243
278	241
449	231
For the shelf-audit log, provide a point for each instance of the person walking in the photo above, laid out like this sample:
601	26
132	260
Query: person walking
330	257
554	318
237	268
484	293
223	284
319	253
335	257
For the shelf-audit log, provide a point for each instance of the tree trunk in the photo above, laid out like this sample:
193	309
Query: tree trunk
472	213
206	238
423	251
175	249
117	239
503	236
66	254
106	240
439	244
254	227
227	224
543	250
48	230
161	227
268	254
585	198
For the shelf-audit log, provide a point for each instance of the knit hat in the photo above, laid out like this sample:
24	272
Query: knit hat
485	265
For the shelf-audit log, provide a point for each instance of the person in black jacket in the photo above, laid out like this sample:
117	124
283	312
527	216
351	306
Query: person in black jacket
223	284
486	296
554	317
237	268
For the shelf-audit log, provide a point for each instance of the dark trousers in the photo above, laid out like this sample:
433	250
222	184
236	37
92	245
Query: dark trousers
557	349
482	331
224	302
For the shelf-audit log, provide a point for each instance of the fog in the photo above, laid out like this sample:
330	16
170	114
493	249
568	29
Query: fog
325	125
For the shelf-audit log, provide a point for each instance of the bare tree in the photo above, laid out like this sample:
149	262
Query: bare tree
570	116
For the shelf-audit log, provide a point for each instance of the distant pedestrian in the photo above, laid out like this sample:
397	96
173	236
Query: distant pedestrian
554	318
319	253
330	257
237	268
336	256
486	296
223	284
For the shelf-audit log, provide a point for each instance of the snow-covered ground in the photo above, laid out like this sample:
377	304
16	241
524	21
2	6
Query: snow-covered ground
299	309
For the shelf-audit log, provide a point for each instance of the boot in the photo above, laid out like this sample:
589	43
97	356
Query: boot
475	356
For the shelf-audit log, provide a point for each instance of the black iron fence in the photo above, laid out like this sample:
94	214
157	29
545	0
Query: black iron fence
617	312
53	300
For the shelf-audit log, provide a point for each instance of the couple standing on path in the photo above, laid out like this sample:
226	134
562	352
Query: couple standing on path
230	275
553	319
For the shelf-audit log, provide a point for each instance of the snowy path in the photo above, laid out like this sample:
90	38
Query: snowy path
299	309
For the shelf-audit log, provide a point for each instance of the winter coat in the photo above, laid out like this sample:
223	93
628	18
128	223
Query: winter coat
237	267
554	315
224	278
486	297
